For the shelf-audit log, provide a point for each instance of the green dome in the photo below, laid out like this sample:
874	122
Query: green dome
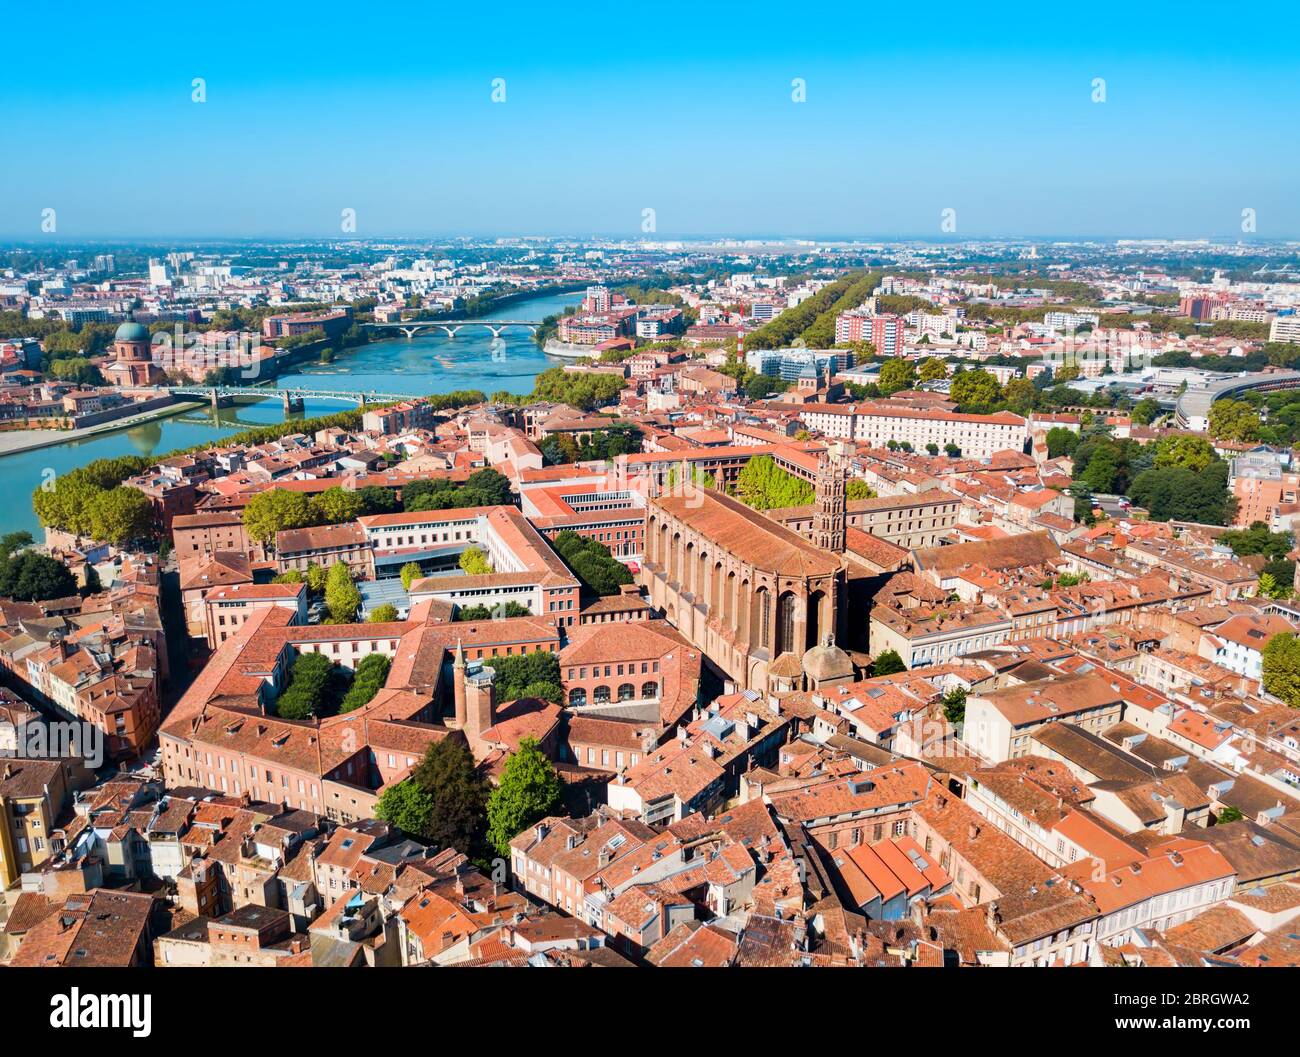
132	331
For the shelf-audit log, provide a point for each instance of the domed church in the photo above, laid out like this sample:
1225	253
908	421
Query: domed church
133	364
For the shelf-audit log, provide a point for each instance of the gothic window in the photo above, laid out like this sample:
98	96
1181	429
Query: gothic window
785	624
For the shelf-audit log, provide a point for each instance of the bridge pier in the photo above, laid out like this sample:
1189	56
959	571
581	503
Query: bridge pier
291	403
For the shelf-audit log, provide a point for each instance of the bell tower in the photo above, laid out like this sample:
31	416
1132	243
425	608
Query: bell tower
828	521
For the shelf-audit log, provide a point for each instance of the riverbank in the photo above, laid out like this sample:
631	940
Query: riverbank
564	350
16	441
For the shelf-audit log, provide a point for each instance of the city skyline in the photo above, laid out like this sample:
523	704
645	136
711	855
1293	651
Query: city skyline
1010	132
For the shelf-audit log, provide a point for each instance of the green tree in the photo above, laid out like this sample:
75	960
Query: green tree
337	506
308	682
1186	452
975	389
932	369
1234	420
519	675
377	500
857	488
896	375
1061	441
475	562
342	598
591	562
1102	470
366	682
411	572
316	577
1281	668
888	663
276	510
14	541
29	576
529	790
763	485
1258	539
1020	395
406	806
1145	412
1183	495
761	385
459	793
384	614
120	515
954	705
487	487
1270	588
1228	814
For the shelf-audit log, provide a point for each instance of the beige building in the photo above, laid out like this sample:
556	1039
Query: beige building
999	725
32	796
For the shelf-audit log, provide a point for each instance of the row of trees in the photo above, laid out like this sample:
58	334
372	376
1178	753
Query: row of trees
92	501
497	612
279	509
485	487
793	323
621	439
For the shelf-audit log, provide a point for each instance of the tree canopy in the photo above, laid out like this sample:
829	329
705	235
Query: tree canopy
29	576
1281	668
342	598
529	790
763	485
447	775
888	663
591	562
1179	494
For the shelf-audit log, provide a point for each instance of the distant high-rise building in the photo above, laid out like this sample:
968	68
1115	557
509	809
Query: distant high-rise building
1285	328
885	332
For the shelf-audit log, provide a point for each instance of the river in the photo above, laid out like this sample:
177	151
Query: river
428	363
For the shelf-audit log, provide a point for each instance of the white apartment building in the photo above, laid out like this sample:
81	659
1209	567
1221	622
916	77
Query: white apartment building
1285	328
978	436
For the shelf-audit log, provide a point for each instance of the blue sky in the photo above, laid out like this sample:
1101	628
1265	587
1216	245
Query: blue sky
685	109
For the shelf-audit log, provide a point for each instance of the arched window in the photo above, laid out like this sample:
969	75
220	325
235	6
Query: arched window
650	690
813	637
577	697
761	618
600	695
626	692
785	624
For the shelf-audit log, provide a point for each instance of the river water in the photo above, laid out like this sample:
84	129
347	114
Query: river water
426	364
